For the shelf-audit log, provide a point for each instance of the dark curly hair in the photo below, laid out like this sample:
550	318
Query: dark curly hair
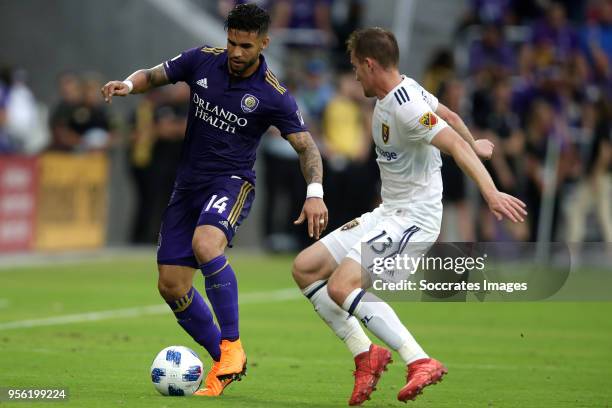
248	17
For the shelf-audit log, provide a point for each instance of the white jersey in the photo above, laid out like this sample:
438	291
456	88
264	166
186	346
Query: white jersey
403	125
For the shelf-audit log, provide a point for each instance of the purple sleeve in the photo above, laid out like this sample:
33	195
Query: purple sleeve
181	67
288	118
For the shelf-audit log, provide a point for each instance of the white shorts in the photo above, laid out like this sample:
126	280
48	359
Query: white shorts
378	228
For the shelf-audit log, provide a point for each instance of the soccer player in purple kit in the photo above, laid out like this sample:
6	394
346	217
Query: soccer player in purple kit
235	98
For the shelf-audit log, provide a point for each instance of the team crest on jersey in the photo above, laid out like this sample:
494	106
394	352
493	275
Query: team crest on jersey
349	225
385	133
429	120
249	103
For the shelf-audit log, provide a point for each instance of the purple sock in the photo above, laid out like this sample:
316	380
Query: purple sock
222	292
194	316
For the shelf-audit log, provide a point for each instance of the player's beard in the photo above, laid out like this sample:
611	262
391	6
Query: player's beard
247	65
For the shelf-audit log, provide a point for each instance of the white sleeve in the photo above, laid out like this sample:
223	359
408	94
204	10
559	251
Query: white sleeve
430	99
419	123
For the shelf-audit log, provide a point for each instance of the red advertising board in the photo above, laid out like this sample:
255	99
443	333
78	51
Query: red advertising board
18	185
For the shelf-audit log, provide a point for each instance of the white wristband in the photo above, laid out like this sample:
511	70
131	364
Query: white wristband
314	190
129	84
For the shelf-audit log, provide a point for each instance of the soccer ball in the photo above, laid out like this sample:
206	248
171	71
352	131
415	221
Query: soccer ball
176	371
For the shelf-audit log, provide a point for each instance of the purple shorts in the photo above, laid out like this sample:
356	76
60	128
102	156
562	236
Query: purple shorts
223	203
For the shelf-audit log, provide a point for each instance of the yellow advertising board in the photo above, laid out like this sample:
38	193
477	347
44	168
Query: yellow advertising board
73	201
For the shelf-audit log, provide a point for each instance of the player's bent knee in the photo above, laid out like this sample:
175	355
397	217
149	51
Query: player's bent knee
208	243
312	264
300	270
343	281
172	290
174	281
336	291
206	249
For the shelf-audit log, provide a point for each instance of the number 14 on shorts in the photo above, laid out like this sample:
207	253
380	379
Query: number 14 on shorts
217	204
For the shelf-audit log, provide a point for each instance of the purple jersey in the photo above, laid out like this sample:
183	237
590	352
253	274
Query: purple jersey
227	115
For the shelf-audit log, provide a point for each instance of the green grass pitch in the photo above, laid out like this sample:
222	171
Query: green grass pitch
498	354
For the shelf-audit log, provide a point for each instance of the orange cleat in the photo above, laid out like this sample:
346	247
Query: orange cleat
421	373
233	361
213	387
369	366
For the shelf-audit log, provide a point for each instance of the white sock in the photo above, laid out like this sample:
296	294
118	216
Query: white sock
346	327
378	316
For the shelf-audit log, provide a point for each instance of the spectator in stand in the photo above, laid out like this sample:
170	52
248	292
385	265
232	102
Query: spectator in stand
22	125
314	93
140	155
594	185
451	93
544	126
93	118
502	127
597	42
284	188
169	122
347	16
439	71
346	148
526	11
539	128
553	38
487	12
491	60
80	122
577	90
574	9
305	28
524	83
283	195
64	119
304	14
491	55
156	144
6	146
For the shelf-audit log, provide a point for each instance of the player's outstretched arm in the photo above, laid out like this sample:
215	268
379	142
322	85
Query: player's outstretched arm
500	204
482	147
314	209
139	82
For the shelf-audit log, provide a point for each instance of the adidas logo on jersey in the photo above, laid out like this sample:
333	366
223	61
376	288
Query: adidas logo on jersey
224	223
203	83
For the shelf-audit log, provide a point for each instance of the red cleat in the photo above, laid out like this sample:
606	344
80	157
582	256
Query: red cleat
421	373
369	365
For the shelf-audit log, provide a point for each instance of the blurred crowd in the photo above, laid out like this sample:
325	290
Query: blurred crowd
21	128
80	121
534	77
537	81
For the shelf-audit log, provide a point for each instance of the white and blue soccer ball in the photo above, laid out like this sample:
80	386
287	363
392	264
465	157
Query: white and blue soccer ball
177	371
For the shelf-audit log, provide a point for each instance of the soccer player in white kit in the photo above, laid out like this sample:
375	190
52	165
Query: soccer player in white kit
410	128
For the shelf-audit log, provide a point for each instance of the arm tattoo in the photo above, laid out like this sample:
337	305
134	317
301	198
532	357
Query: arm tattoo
156	76
310	158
